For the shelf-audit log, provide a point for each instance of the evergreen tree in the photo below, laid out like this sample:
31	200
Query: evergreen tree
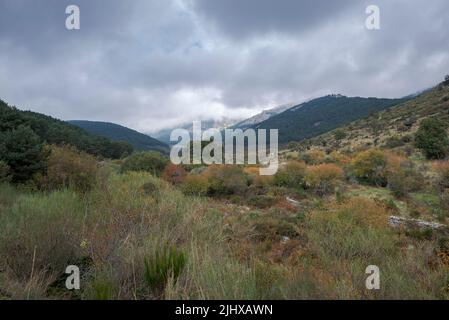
23	152
432	138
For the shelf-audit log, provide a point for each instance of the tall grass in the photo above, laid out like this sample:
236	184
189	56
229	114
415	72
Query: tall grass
128	242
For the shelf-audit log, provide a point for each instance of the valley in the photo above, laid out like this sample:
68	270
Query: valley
140	227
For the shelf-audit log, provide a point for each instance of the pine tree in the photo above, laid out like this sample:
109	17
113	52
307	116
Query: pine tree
432	138
22	150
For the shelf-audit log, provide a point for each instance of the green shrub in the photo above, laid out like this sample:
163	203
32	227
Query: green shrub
261	201
164	263
195	185
339	134
152	162
68	167
291	175
370	166
226	179
432	138
41	231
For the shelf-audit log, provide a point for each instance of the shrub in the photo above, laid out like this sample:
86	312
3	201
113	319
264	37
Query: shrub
152	162
68	167
313	157
370	166
41	231
339	134
291	175
402	176
4	172
226	179
339	158
324	178
195	185
261	201
174	174
442	169
394	142
256	179
432	138
164	263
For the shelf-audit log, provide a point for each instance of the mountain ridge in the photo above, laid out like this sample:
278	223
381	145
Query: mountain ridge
116	132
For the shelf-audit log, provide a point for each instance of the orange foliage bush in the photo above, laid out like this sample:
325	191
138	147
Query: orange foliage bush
174	174
339	158
402	175
324	178
314	157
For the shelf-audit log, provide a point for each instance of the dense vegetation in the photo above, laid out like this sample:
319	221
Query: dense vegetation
115	132
143	228
53	131
323	114
224	232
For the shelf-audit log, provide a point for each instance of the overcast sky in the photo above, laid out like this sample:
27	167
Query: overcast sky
152	64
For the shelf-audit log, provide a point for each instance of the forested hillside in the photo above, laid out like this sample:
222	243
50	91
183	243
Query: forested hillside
54	131
323	114
115	132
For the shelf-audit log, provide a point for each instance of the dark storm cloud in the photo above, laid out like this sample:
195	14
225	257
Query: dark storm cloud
150	64
242	19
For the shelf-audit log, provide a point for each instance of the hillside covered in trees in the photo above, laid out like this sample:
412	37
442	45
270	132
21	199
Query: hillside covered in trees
115	132
24	134
323	114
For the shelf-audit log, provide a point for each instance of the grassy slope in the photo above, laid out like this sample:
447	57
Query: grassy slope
233	252
397	121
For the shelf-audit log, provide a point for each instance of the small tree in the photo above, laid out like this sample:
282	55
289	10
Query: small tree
324	178
370	166
432	138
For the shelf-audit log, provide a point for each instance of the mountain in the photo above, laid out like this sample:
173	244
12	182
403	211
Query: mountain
323	114
164	135
53	131
117	132
264	115
389	128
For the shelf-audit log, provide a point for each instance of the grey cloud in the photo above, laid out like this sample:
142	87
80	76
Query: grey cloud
242	19
153	64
